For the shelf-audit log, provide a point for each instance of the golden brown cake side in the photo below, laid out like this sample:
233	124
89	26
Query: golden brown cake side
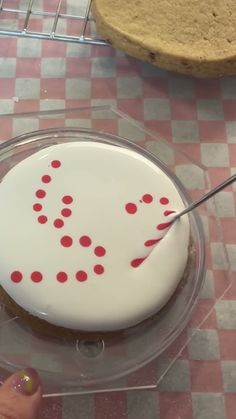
195	37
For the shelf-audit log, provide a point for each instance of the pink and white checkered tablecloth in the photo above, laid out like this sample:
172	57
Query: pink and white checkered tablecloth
199	116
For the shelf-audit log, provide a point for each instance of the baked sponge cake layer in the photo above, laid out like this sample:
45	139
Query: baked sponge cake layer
86	238
195	37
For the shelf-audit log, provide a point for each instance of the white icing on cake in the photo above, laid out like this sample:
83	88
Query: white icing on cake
103	215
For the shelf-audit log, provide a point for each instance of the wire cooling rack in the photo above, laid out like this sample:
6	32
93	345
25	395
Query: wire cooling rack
59	20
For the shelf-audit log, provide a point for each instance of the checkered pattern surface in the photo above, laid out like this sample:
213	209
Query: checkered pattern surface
200	117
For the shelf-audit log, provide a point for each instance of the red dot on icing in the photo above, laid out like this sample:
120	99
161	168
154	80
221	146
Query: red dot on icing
36	276
147	198
168	212
46	179
55	164
42	219
66	241
40	193
151	242
81	276
163	225
58	223
62	276
85	241
67	199
164	200
137	262
99	251
131	208
37	207
98	269
16	276
66	212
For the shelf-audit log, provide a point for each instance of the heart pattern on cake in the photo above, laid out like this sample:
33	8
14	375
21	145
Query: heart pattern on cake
85	241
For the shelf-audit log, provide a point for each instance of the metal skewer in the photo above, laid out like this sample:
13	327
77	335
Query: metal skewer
207	196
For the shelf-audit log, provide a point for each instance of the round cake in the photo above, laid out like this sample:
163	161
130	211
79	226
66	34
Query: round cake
195	37
87	241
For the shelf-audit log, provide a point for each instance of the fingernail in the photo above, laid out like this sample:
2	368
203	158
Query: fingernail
26	381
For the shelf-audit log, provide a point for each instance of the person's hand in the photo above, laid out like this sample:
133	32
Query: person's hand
20	396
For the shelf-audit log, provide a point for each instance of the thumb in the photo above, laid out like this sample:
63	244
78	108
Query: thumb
20	395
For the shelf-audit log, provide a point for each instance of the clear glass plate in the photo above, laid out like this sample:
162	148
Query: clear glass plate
89	363
130	362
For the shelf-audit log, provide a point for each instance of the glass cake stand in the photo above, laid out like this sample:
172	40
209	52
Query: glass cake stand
118	361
